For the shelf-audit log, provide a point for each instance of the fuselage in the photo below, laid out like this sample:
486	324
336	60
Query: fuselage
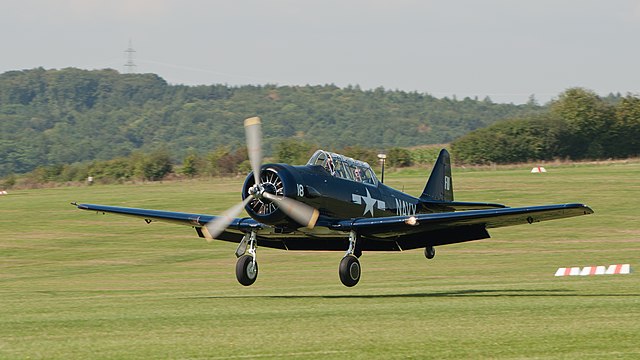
344	198
335	197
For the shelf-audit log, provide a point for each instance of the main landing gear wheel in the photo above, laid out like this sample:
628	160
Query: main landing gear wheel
349	270
429	252
246	270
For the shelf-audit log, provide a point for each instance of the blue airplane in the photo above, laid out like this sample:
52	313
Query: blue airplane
337	203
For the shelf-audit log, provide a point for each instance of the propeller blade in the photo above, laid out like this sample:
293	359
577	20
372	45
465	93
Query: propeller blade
253	132
298	211
215	227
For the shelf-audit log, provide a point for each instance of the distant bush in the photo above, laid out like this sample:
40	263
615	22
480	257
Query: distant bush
8	182
399	157
294	151
156	165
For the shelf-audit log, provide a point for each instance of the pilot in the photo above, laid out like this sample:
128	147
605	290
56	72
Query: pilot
357	174
329	165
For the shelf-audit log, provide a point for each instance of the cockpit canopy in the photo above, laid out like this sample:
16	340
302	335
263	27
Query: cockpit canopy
344	167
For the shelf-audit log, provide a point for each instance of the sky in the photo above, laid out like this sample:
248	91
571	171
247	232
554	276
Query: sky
507	50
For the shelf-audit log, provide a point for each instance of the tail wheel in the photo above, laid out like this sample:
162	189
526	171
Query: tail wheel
429	252
349	270
246	270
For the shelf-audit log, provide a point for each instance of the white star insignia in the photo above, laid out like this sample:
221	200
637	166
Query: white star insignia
369	203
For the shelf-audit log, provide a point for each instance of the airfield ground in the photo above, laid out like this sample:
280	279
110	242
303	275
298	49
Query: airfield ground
76	285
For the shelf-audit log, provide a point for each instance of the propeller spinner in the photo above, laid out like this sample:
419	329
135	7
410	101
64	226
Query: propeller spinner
302	213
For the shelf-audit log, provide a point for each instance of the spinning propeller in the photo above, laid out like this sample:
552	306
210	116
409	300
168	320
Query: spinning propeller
302	213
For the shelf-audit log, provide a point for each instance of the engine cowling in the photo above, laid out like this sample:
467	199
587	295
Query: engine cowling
276	179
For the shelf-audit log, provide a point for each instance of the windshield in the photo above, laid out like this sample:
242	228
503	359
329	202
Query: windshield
344	167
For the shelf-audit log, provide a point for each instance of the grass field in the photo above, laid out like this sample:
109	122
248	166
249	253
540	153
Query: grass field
76	285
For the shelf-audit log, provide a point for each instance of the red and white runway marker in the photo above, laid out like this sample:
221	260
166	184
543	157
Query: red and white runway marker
594	270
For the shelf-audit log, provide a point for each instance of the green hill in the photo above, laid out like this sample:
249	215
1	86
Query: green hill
67	116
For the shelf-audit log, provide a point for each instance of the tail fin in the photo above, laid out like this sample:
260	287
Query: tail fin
439	186
437	196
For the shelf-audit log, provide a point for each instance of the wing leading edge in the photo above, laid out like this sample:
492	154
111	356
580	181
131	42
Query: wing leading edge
453	227
234	232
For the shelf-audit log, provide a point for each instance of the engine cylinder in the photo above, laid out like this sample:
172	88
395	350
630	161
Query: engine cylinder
277	180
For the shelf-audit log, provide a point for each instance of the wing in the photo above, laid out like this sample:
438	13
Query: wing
233	233
453	227
378	234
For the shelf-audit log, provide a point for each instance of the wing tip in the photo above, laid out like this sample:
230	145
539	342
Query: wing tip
585	208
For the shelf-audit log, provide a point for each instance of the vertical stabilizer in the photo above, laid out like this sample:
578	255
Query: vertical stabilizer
439	186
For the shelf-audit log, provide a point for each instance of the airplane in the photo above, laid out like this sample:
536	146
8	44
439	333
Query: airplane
337	203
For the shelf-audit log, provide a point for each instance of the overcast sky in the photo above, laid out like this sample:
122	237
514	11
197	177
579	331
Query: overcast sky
507	50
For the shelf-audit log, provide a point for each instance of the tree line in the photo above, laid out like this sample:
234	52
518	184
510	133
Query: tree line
222	161
578	125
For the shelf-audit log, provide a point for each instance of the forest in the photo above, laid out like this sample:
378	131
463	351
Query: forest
68	116
65	125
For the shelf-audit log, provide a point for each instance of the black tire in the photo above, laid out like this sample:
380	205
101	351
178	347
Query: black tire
429	252
246	272
350	270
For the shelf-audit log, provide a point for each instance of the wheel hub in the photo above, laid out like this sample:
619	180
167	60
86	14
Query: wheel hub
354	271
251	270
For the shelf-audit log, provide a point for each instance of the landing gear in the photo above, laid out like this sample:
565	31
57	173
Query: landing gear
246	270
349	270
247	266
350	265
429	252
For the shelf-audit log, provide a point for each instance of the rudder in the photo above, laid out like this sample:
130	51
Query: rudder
440	185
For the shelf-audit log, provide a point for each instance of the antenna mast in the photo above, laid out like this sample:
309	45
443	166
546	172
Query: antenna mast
130	66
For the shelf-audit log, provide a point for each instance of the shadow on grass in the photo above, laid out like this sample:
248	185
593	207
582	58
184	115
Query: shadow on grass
458	293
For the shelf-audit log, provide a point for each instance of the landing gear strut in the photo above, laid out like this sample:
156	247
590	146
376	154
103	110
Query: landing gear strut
350	265
247	266
429	252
